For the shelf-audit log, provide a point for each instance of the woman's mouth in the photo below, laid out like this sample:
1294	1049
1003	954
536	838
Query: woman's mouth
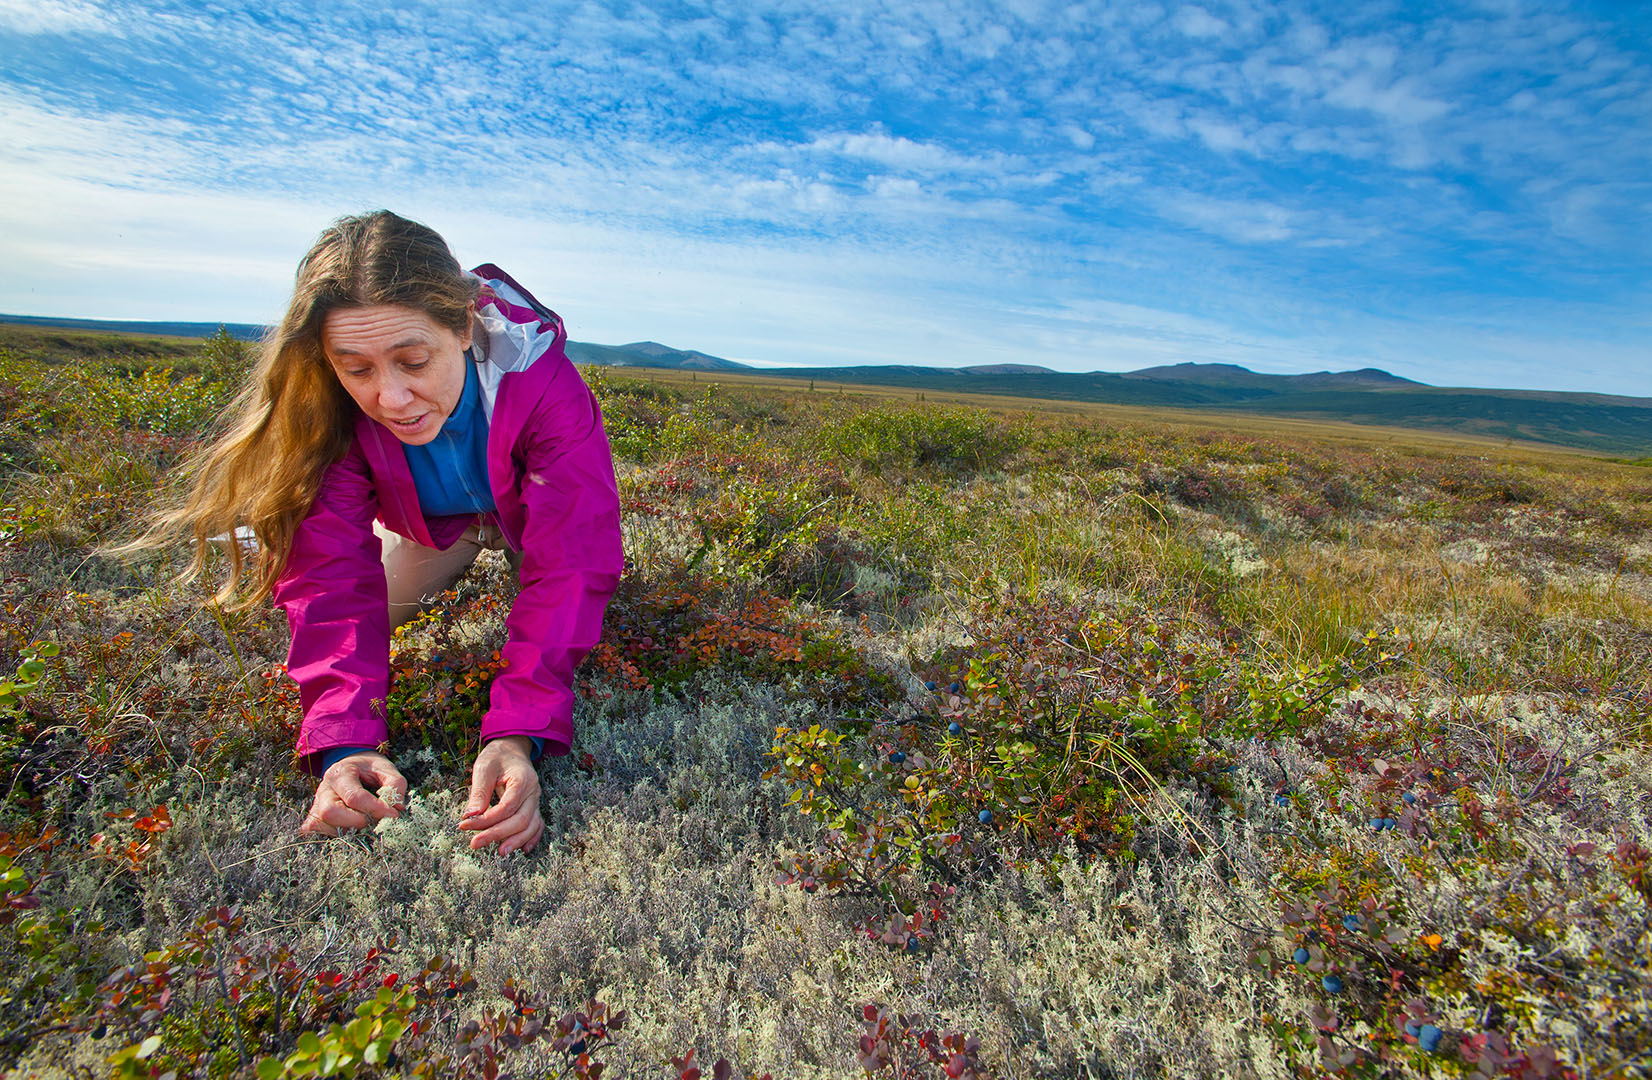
408	426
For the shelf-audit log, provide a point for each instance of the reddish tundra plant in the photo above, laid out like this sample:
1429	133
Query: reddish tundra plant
893	1043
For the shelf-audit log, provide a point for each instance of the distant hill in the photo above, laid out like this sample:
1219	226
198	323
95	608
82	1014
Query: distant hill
1232	375
650	354
241	331
1600	422
1008	369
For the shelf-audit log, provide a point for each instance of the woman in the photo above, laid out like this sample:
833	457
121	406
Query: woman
403	416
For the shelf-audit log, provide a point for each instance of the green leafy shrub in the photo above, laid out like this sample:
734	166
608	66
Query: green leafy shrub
225	358
633	412
909	437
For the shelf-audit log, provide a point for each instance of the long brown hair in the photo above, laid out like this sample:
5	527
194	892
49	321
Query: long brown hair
293	419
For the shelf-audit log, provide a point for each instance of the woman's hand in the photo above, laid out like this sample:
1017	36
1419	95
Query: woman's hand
505	767
344	799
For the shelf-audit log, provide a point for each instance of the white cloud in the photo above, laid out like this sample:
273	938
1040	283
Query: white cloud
1246	221
1080	138
1196	22
55	17
1400	101
1219	135
895	152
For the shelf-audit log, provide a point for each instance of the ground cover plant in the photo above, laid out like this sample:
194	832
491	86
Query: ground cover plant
922	740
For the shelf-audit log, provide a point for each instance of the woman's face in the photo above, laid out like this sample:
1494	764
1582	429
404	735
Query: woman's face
403	368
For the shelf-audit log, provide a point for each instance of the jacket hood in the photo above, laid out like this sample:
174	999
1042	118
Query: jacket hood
520	330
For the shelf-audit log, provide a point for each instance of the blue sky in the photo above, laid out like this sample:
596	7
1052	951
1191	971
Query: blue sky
1458	193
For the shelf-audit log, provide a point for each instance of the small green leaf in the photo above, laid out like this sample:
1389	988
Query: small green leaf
269	1069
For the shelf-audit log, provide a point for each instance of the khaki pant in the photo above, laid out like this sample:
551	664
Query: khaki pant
416	575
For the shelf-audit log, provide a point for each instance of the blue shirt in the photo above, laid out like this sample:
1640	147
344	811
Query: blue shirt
450	472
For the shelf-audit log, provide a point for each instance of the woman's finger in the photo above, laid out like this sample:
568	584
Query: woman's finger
484	776
516	823
363	803
344	818
513	793
524	841
380	772
315	826
506	829
348	790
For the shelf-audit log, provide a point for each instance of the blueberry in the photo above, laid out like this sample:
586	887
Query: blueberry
1282	799
1332	984
954	688
912	944
1412	1028
984	817
1351	923
577	1048
896	757
1021	639
1300	955
930	686
1376	824
955	728
1409	799
1390	823
1428	1037
100	1031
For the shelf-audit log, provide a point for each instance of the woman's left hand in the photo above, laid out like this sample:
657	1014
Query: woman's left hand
504	767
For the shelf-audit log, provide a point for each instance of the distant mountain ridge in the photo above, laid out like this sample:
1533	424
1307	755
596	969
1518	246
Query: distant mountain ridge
1604	423
650	354
240	331
1235	376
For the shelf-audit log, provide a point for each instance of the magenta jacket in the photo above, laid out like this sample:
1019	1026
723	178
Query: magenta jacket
553	483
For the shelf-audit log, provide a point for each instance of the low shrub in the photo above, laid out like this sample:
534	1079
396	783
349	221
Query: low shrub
662	634
1436	919
909	437
1053	729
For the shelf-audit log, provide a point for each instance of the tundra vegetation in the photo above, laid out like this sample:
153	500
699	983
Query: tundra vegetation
922	740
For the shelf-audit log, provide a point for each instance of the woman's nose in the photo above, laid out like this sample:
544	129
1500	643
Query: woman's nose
394	393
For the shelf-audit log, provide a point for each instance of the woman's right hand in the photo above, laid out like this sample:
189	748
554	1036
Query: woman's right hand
344	799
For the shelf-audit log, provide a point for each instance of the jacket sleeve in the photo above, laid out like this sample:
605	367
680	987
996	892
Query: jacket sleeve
333	592
572	556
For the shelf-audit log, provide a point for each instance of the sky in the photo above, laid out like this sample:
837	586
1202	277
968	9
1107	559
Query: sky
1458	193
